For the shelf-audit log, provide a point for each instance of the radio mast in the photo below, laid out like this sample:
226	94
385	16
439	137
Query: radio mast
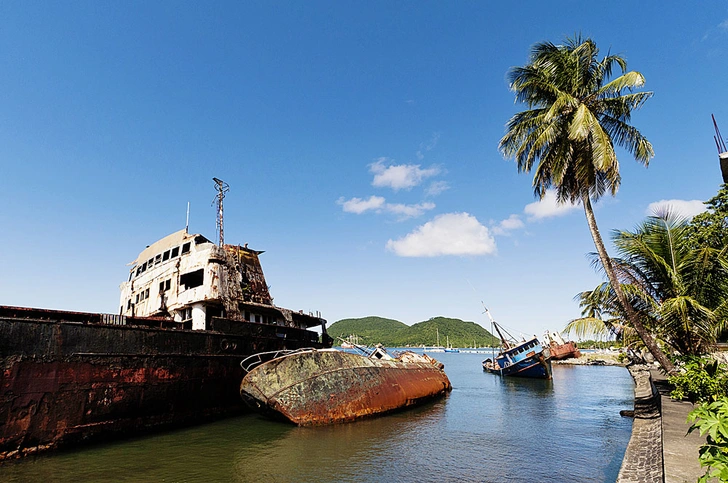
722	151
222	188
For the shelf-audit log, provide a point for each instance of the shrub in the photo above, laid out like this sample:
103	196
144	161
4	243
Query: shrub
700	380
712	419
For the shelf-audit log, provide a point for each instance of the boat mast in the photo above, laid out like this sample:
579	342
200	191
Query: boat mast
504	341
222	188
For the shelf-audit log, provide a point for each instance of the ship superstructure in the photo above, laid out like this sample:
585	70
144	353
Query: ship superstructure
188	278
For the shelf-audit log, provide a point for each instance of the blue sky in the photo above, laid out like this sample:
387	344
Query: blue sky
359	140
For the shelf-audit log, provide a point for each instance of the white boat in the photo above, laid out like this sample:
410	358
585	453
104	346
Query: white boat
438	347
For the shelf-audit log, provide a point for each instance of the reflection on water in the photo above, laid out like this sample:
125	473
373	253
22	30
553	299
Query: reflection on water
488	429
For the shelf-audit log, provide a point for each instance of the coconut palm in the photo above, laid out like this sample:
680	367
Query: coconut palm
679	290
600	316
576	116
684	288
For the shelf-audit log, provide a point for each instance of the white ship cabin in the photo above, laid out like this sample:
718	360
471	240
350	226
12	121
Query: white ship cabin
189	279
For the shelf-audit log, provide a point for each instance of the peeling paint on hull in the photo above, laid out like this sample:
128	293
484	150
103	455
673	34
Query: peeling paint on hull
65	380
325	387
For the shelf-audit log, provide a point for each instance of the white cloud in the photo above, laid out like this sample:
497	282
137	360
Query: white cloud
548	207
378	204
437	187
400	176
429	146
409	211
686	208
723	25
359	206
457	234
511	223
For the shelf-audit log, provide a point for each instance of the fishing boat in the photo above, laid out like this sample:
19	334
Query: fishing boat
560	349
311	387
525	358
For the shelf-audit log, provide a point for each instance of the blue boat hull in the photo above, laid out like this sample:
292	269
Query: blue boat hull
536	366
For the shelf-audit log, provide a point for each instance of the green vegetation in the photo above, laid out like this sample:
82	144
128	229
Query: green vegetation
392	333
711	419
678	289
710	228
576	117
701	379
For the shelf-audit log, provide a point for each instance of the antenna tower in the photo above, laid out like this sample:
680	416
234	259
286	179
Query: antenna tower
722	151
222	188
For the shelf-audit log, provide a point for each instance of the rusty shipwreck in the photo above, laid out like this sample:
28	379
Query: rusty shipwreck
560	349
317	387
190	311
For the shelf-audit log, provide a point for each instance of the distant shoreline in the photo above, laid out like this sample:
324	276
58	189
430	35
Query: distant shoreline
594	359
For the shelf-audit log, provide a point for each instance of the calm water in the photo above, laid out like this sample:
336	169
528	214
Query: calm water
487	430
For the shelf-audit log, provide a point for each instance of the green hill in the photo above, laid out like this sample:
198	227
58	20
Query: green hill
369	329
392	333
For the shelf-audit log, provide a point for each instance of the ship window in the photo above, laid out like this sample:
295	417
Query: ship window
164	286
157	259
257	318
139	270
165	256
150	262
247	315
128	304
192	279
146	294
137	298
175	252
186	248
144	267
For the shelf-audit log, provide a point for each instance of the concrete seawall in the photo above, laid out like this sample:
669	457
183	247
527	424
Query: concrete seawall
659	449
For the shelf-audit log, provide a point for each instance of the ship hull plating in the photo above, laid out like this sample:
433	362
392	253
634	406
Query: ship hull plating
66	380
325	387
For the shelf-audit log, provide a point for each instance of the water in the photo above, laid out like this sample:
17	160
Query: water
487	430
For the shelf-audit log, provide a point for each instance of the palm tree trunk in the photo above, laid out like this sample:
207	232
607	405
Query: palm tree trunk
631	314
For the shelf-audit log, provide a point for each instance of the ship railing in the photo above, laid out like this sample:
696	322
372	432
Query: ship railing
251	362
113	319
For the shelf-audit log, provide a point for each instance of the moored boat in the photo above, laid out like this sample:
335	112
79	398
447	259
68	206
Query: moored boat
560	349
316	387
525	358
437	347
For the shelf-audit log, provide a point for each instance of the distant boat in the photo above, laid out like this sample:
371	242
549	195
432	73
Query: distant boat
559	349
526	358
350	342
449	347
314	387
438	347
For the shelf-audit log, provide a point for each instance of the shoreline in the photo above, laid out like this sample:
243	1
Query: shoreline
593	359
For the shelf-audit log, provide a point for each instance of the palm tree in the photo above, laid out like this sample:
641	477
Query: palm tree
600	316
683	288
576	116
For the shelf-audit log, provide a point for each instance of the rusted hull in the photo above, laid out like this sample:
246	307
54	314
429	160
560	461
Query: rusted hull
325	387
66	380
567	350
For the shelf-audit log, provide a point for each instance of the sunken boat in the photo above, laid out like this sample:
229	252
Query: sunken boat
316	387
525	358
190	311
